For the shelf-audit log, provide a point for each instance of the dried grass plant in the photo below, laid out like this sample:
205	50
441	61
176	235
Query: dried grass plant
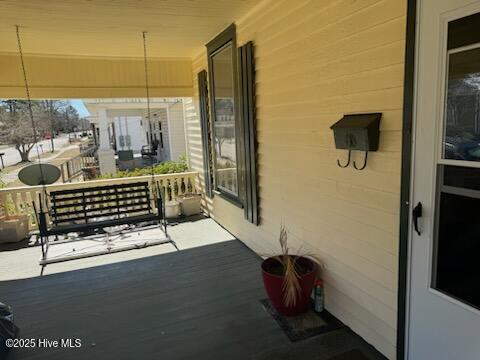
291	270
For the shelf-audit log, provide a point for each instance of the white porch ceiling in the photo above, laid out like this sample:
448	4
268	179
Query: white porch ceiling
177	28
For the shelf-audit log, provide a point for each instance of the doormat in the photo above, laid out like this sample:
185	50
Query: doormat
350	355
303	326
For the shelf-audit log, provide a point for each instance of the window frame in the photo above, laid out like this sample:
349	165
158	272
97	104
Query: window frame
222	40
441	159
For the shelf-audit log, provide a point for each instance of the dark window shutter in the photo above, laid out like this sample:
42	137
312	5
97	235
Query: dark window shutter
205	128
247	110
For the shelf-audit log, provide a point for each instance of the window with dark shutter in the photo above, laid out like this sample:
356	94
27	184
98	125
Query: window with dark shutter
229	134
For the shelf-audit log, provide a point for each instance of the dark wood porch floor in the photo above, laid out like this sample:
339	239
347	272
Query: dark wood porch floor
200	303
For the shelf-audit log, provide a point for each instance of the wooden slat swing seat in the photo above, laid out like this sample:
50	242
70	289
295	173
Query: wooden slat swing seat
93	211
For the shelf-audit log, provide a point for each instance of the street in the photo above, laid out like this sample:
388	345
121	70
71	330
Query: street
12	156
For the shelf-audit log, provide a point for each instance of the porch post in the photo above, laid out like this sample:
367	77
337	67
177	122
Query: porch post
106	155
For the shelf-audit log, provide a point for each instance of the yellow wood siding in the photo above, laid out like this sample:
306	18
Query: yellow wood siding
176	131
69	77
315	61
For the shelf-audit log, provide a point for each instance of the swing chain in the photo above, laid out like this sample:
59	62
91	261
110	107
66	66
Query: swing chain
147	92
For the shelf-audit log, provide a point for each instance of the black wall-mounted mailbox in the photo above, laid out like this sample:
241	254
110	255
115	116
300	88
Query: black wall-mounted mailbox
357	132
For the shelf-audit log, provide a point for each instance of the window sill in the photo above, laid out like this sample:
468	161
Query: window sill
230	198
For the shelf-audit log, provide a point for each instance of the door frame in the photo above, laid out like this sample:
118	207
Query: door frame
406	172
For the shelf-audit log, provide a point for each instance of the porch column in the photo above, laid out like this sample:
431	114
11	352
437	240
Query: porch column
106	155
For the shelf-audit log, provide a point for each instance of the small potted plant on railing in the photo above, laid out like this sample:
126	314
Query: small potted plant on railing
289	279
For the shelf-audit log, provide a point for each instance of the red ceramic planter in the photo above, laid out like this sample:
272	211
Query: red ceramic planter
274	287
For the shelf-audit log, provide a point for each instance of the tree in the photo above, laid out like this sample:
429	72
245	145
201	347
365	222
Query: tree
72	119
52	108
16	126
50	117
61	116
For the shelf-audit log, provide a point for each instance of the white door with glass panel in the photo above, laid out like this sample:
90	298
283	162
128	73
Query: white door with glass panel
444	294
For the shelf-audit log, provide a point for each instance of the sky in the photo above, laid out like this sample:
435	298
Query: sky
78	104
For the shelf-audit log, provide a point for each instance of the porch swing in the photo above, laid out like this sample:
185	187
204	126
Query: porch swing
102	217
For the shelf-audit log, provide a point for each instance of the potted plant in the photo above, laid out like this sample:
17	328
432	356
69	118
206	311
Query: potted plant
13	228
289	279
190	203
172	209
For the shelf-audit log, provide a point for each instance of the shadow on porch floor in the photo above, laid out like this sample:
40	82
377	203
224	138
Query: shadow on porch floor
200	303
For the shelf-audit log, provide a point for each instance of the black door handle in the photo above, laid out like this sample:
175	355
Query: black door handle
417	213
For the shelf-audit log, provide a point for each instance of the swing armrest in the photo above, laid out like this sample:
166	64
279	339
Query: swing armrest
160	212
42	223
41	219
37	219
